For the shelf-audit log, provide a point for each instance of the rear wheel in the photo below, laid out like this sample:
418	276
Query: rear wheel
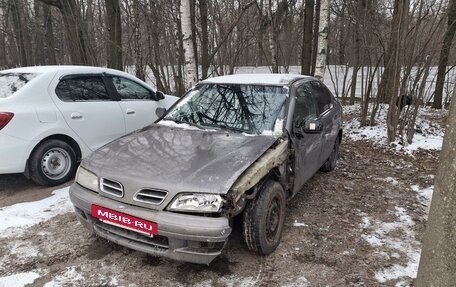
331	162
263	219
53	162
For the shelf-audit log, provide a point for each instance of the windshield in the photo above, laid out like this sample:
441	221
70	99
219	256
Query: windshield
12	82
243	108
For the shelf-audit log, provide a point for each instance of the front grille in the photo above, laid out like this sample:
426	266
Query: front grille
112	187
153	196
159	243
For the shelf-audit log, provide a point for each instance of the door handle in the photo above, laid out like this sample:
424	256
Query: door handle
130	112
76	116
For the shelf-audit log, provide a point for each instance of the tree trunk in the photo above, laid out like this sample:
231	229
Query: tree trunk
74	30
49	36
438	257
114	26
306	52
204	39
16	7
322	51
272	39
444	54
190	75
388	92
316	27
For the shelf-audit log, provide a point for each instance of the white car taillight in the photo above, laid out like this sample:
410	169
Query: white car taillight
5	118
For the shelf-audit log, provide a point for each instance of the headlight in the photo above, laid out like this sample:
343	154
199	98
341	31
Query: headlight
198	202
87	179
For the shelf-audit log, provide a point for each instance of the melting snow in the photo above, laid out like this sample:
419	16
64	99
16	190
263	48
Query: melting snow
14	218
19	279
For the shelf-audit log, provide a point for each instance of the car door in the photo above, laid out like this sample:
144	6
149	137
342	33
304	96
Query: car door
89	110
137	102
307	146
328	117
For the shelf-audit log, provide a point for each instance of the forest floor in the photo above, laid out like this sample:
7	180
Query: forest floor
360	225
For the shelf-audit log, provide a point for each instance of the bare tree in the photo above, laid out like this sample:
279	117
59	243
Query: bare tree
322	51
114	44
189	53
75	33
438	257
444	54
306	50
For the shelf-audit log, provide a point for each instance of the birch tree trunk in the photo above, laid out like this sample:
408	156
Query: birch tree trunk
438	257
271	36
190	74
322	52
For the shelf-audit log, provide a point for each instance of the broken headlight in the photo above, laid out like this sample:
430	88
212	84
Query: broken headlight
87	179
197	202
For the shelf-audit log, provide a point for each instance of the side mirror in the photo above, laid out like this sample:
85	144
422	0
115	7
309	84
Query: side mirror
160	112
159	95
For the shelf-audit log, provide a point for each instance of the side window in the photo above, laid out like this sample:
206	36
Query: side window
129	90
305	107
322	96
83	89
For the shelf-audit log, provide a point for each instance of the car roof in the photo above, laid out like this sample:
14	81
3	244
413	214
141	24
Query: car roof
257	79
65	68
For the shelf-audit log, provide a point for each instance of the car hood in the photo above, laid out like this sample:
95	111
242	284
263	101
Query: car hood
178	160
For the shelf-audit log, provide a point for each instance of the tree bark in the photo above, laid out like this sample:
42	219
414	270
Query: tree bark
204	39
322	51
190	76
49	35
114	26
306	52
444	54
438	257
16	7
74	30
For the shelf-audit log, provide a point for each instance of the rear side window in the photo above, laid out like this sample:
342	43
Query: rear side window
83	89
129	90
322	96
13	82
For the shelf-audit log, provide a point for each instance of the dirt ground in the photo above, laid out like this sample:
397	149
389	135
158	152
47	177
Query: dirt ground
327	240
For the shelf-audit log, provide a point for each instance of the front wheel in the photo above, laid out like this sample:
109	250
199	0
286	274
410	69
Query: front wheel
263	219
53	162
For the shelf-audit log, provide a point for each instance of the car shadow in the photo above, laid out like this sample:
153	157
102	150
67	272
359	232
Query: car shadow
16	188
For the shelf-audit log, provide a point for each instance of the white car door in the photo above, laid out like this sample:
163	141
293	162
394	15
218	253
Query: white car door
137	102
89	110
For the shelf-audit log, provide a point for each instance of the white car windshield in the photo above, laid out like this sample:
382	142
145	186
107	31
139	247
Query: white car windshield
12	82
242	108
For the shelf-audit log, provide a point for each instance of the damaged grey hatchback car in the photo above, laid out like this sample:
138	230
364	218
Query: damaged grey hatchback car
233	145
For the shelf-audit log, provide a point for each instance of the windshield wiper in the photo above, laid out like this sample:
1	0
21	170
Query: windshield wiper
184	122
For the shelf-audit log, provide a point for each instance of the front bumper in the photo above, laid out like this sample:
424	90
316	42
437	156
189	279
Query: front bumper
182	237
14	153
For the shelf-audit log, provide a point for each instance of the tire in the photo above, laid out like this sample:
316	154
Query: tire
263	219
331	162
53	162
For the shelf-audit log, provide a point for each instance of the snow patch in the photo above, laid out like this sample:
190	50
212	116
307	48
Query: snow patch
17	217
299	224
399	237
428	136
19	279
424	195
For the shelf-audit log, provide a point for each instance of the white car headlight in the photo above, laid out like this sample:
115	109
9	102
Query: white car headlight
87	179
197	202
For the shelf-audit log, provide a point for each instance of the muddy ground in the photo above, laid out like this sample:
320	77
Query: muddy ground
327	240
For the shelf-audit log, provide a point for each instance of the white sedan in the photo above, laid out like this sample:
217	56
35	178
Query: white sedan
53	116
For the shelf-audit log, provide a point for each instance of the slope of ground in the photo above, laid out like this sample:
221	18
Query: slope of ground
360	225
